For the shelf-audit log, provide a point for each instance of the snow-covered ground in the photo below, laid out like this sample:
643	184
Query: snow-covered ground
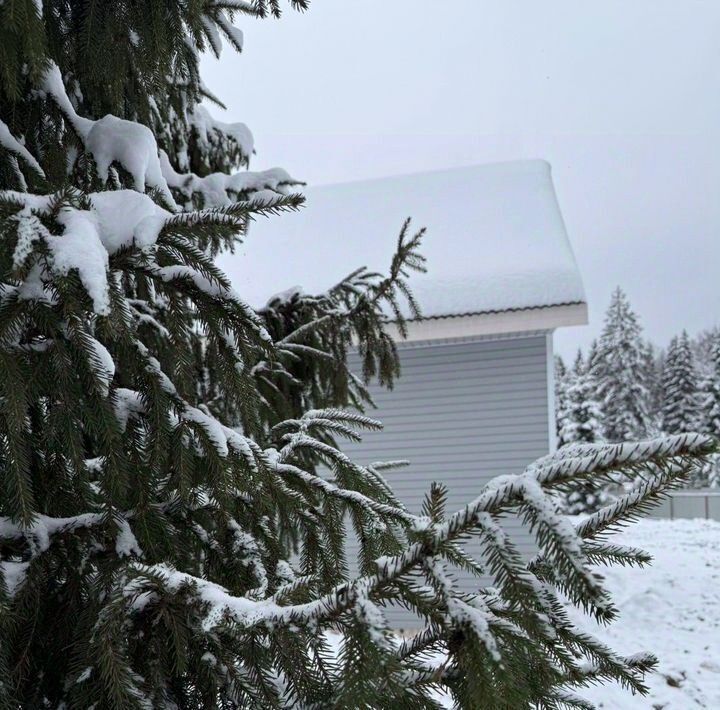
671	608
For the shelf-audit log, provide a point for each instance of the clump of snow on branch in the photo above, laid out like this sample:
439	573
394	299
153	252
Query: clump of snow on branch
127	218
13	145
80	249
133	146
205	124
221	189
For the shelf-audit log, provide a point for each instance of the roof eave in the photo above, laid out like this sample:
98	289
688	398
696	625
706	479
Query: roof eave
516	320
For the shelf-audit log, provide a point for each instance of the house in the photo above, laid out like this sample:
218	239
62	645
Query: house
475	398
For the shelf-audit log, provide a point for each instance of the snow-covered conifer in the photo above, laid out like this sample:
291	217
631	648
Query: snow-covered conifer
655	358
583	424
710	410
167	537
681	400
592	355
583	421
710	390
620	367
561	403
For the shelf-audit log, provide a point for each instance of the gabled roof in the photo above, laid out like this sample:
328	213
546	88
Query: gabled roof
495	240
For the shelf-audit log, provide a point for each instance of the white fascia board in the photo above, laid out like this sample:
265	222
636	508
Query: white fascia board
502	323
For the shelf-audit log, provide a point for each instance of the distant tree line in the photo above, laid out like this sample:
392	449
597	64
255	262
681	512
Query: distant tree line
626	388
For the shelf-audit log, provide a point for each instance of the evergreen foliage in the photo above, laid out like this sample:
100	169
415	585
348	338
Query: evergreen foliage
710	389
582	423
561	399
681	404
656	367
621	366
683	385
710	411
167	538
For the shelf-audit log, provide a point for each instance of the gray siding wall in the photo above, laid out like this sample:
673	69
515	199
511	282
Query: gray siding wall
462	413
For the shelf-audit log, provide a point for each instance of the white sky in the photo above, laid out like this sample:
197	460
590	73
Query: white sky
622	97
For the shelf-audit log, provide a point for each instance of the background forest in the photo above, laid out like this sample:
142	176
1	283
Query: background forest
626	387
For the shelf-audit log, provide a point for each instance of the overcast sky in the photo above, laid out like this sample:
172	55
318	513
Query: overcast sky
621	97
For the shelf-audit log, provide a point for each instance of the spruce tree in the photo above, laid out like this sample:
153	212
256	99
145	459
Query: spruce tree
620	368
168	537
710	390
583	424
592	355
561	400
583	421
681	402
655	369
710	412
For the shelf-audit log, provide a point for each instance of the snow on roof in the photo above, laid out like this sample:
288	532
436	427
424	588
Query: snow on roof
495	240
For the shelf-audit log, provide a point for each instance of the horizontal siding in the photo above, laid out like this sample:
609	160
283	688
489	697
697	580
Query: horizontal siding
461	413
497	381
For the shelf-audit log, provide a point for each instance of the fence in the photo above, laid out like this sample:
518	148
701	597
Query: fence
698	503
